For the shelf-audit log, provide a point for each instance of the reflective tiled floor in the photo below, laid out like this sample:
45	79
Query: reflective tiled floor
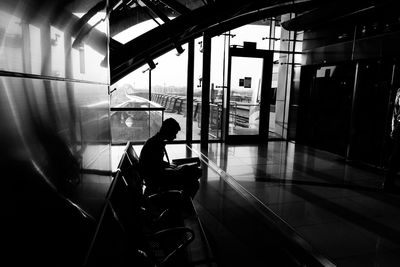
338	209
249	194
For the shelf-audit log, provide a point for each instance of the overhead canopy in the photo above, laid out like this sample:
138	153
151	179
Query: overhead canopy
179	21
191	19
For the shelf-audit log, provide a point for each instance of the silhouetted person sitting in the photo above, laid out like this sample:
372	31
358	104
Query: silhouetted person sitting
394	160
160	174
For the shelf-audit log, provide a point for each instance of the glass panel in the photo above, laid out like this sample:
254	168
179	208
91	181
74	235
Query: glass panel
218	69
169	87
244	106
43	119
57	52
11	45
92	50
168	93
198	68
136	83
257	33
133	116
44	47
134	125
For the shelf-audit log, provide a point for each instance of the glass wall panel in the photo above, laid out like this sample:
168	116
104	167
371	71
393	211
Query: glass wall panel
133	116
218	69
35	53
57	52
198	70
257	33
169	86
55	134
49	121
244	106
44	45
266	34
11	45
136	83
135	120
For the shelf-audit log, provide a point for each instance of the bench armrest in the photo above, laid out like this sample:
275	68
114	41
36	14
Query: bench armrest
166	193
165	199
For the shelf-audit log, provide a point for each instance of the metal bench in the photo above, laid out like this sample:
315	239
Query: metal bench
198	251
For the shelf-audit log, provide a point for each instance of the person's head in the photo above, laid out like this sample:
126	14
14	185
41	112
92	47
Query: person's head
169	128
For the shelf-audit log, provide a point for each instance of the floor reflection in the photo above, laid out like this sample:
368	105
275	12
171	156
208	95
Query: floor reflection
336	208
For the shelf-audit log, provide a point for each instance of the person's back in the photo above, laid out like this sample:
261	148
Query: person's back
151	160
395	134
394	159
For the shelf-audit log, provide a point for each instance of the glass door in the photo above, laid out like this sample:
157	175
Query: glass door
246	102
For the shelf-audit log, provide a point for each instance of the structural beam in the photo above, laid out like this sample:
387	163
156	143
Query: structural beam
175	5
189	93
156	10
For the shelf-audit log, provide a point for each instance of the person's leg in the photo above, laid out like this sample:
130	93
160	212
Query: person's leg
171	179
189	176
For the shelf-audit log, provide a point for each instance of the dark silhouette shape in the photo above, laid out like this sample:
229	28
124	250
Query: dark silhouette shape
394	159
160	174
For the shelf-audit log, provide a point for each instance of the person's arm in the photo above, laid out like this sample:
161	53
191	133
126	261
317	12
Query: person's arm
151	156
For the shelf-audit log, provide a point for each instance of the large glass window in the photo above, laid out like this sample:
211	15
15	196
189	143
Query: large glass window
85	52
165	86
169	86
133	116
268	34
146	97
245	98
198	70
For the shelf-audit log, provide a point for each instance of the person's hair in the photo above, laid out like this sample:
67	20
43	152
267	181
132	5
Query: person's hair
170	124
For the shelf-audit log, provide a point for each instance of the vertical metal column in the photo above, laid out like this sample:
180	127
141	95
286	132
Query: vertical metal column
205	92
226	100
189	93
150	84
265	96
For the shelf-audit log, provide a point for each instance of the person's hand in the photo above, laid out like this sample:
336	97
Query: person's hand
174	166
